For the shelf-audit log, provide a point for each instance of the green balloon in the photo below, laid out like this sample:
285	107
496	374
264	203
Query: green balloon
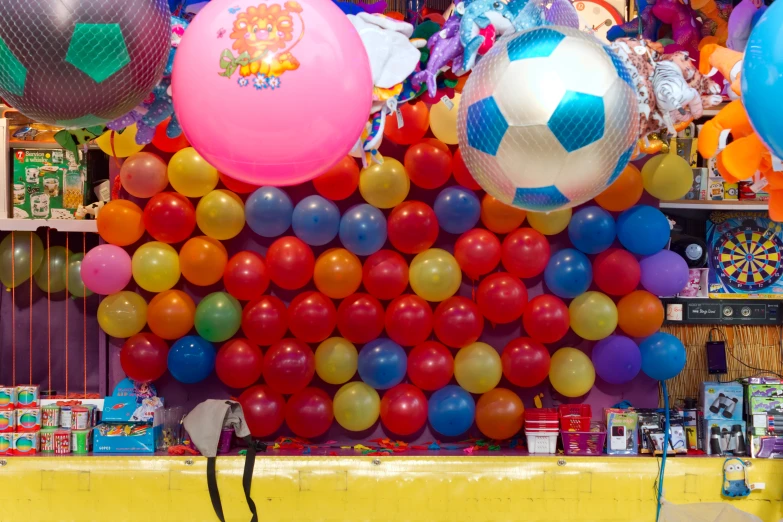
56	257
218	317
15	263
75	284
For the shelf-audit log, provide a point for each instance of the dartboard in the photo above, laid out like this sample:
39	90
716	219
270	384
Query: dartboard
747	258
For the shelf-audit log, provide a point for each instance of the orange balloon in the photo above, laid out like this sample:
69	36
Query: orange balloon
170	314
416	121
338	273
202	260
396	15
121	222
163	143
624	192
499	217
640	314
499	414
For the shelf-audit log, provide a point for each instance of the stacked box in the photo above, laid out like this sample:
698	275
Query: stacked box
724	430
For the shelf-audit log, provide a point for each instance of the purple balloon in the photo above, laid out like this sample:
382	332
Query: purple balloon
664	274
616	359
106	269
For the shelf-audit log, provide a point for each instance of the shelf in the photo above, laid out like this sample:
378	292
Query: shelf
41	145
713	111
63	225
692	204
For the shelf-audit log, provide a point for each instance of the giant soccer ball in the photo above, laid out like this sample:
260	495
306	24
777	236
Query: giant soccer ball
79	63
548	119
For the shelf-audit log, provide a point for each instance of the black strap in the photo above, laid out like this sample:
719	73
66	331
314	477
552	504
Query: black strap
214	494
247	480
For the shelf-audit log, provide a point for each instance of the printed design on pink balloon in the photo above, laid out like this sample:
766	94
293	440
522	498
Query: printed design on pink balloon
263	38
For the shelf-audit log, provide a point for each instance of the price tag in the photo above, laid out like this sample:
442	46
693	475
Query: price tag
400	120
447	102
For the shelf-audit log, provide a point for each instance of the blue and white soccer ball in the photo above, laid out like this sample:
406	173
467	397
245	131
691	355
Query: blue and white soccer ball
548	119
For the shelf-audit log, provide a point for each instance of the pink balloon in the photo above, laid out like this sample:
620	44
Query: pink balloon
106	269
316	45
144	174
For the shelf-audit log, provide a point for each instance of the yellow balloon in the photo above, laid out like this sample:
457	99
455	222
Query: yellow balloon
356	406
120	145
571	372
190	174
477	368
385	185
443	120
336	360
593	316
667	176
220	214
550	223
435	275
122	314
155	266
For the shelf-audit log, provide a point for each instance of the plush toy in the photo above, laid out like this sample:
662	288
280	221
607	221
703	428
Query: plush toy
445	48
89	211
686	30
735	479
714	24
649	24
741	21
479	14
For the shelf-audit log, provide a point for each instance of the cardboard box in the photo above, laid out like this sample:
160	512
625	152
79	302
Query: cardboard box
7	397
129	425
724	433
47	184
765	406
26	443
722	400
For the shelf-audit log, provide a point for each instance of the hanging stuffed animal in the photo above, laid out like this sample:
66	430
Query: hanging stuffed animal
735	479
686	30
741	21
714	24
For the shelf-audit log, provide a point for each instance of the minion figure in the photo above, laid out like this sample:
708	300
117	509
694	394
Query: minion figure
735	483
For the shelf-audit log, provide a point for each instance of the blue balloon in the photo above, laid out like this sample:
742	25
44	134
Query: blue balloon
762	78
458	209
191	359
268	211
382	363
568	273
592	230
451	410
363	229
316	220
643	230
663	356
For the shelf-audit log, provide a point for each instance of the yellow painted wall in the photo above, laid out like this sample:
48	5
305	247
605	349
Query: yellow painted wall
344	489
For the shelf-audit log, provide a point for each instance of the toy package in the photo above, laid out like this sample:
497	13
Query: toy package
724	437
47	184
622	432
722	400
129	425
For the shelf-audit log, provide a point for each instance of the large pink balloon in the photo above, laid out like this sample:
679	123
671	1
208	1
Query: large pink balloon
310	78
106	269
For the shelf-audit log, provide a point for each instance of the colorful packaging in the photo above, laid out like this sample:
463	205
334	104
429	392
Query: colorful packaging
730	191
47	184
722	400
50	416
80	418
47	439
7	397
65	417
28	419
26	443
6	443
62	442
93	414
722	437
765	405
80	441
7	421
622	432
28	396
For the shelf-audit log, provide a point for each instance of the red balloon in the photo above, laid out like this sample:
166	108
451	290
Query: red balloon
616	271
309	413
478	252
360	318
428	166
289	366
144	357
546	318
245	276
458	322
404	409
430	365
525	252
236	186
408	320
265	320
501	297
461	172
290	263
239	363
163	143
385	274
169	217
312	317
264	410
525	362
413	227
340	181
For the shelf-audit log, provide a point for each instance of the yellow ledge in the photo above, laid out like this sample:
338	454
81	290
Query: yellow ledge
343	489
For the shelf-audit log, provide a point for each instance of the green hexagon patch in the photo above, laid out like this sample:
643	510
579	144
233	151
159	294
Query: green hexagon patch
13	75
98	50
